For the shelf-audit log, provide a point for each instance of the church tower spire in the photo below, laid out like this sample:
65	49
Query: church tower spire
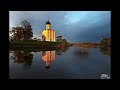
48	18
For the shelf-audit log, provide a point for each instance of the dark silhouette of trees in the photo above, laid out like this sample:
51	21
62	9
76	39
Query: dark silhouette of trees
17	33
64	40
61	50
106	50
27	32
106	41
59	38
22	33
106	46
22	57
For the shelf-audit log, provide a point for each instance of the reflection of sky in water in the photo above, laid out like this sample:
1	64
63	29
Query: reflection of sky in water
65	66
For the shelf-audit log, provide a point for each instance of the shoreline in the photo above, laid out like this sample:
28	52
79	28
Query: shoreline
35	44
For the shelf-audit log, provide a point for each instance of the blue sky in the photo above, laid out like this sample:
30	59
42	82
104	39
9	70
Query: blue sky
75	26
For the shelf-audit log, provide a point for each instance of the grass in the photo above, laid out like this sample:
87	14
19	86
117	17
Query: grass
42	44
33	43
36	46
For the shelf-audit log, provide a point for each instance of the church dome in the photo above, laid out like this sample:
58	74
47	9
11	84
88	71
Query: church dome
47	22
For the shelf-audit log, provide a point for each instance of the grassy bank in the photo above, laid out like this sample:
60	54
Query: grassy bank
87	44
36	44
36	49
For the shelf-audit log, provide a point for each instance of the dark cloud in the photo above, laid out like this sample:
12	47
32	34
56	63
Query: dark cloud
74	26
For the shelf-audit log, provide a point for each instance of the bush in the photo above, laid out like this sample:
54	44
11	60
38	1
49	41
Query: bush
106	41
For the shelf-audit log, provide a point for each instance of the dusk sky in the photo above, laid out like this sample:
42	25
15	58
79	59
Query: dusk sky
74	26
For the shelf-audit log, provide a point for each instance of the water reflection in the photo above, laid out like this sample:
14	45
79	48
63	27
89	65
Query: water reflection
22	57
25	56
75	63
61	50
106	50
48	56
81	52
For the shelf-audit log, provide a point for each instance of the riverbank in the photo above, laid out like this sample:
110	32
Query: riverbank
40	44
86	44
90	45
37	46
46	44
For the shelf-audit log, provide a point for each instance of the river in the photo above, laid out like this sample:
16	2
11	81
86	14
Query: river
69	63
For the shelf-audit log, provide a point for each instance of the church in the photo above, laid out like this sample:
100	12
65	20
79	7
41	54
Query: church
48	34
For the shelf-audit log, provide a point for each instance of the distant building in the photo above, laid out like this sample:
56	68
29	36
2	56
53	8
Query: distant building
48	34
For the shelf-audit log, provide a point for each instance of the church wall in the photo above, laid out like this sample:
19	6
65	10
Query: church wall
49	34
43	33
54	36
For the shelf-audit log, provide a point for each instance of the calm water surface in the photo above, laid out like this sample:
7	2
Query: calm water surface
70	63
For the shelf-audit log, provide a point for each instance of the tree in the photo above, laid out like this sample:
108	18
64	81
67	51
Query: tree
59	38
17	33
22	33
27	33
106	41
64	40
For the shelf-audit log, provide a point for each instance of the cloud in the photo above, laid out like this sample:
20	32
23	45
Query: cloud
75	26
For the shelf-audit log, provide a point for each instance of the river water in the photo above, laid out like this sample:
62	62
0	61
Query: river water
68	63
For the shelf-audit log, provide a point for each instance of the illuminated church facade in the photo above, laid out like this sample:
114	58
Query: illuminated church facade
48	34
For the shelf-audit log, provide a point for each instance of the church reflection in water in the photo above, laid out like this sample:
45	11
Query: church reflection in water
26	57
47	57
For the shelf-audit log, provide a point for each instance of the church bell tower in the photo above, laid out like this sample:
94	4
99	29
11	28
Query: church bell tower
47	24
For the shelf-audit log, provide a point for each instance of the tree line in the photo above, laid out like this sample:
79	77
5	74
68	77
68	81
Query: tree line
106	41
23	32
